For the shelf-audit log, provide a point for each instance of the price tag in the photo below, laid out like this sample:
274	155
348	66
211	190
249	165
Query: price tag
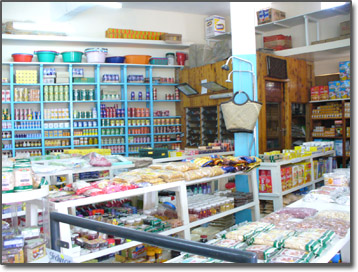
58	257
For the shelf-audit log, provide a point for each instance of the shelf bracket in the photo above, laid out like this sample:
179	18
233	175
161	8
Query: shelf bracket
62	244
280	24
307	20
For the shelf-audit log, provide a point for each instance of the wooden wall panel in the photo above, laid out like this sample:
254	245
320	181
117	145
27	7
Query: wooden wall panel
211	72
297	89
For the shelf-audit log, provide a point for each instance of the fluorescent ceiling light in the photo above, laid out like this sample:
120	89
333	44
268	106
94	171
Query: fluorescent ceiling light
115	5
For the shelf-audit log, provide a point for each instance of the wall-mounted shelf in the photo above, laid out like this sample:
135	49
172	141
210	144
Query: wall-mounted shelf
26	39
317	52
101	123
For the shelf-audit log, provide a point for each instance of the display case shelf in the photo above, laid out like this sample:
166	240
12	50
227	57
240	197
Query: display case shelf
123	68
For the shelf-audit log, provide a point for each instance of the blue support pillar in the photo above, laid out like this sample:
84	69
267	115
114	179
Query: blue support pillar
244	47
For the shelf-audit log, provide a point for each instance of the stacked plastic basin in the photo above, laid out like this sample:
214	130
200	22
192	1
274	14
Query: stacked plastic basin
96	55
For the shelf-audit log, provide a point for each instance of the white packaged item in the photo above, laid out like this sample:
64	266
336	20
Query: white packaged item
8	181
23	177
214	25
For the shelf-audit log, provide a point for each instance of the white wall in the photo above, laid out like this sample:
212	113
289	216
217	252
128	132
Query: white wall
95	21
329	28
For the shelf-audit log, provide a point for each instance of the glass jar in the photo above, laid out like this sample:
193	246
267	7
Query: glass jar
130	222
92	235
203	238
222	206
138	221
197	211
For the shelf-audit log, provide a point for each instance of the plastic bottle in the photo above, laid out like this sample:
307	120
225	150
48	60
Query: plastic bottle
151	256
158	255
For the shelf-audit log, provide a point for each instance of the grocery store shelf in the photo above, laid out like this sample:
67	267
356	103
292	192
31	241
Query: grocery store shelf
107	197
228	175
296	160
166	100
9	215
117	135
5	84
25	102
138	143
192	156
169	142
220	215
25	196
25	39
114	249
329	100
326	118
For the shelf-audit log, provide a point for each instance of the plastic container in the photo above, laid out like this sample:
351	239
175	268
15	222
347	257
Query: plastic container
96	55
46	55
72	56
115	59
181	57
22	57
158	61
171	58
137	59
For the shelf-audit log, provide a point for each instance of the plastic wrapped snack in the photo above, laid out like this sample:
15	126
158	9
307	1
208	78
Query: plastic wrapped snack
227	243
181	166
302	254
154	180
321	235
298	212
203	161
245	231
170	176
217	171
128	178
344	215
157	166
285	259
335	179
193	174
264	252
207	171
301	243
339	226
275	218
273	237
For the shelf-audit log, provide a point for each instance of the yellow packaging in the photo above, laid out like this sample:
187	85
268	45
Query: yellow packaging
301	170
307	172
295	173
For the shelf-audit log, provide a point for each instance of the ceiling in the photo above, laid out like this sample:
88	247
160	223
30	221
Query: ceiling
203	8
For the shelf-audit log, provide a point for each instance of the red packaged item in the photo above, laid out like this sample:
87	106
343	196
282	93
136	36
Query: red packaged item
98	160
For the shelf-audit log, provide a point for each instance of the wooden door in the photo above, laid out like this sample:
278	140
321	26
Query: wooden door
275	117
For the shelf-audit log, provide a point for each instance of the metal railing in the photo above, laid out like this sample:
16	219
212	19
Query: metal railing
221	253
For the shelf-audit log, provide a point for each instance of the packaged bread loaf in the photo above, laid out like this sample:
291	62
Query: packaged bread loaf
157	166
181	166
301	243
170	176
273	237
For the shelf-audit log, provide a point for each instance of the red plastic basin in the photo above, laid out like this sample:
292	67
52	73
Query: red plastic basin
22	57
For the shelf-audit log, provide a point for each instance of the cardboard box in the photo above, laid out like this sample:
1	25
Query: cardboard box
344	70
214	25
345	28
315	93
334	89
323	93
278	42
288	175
269	15
345	89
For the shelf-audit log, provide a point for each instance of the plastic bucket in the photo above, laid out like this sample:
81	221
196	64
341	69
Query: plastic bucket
46	56
115	59
137	59
96	56
72	56
181	57
22	57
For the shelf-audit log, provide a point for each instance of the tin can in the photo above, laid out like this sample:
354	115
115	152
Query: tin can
79	124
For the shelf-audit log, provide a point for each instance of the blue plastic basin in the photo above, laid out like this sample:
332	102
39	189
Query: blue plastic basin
115	59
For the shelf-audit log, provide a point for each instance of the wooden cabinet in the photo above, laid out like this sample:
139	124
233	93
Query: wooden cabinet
277	97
